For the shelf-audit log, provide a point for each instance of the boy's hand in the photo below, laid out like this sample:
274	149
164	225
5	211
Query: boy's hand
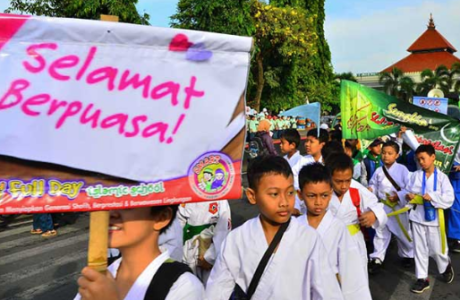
367	219
96	286
402	130
457	168
410	196
393	198
370	189
202	263
427	197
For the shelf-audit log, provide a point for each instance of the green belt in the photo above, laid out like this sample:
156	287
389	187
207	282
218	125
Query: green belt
190	231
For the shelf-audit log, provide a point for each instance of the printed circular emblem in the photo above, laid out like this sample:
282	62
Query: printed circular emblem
212	175
437	102
422	102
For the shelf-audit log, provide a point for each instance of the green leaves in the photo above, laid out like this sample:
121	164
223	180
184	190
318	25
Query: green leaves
88	9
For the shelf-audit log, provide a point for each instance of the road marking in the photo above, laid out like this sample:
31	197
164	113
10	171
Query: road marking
39	250
43	267
10	232
29	240
48	286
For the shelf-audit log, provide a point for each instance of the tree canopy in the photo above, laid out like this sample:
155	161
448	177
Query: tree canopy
83	9
290	61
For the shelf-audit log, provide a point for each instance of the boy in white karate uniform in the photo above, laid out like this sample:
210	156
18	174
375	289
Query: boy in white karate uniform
313	146
437	192
393	196
353	203
316	191
205	226
297	269
142	269
290	141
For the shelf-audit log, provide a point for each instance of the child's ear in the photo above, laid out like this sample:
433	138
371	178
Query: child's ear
299	194
162	219
251	194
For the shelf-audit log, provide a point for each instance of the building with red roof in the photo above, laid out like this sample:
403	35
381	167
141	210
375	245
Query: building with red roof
429	51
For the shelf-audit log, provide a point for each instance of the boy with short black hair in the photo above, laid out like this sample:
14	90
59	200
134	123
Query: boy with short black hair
353	203
290	140
356	163
371	162
296	269
438	194
313	146
389	184
145	272
316	190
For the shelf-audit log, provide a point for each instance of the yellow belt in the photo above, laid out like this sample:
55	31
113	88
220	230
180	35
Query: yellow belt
354	228
400	224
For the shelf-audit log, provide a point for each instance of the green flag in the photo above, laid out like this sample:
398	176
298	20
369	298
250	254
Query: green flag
368	114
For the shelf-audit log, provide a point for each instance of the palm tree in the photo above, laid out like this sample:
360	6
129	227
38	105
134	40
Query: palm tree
397	84
454	77
439	79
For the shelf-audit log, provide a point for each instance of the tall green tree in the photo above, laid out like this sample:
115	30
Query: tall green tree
221	16
83	9
283	37
395	83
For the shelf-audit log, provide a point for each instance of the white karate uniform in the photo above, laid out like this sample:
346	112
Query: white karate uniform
427	237
294	159
346	211
381	186
186	287
298	270
344	257
215	216
171	240
301	162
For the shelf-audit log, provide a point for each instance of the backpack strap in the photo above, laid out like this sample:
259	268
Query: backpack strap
264	261
354	195
164	278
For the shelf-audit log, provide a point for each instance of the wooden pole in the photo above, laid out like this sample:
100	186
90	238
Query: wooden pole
99	222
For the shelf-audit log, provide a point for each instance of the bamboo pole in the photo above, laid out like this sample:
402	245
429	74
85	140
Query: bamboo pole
99	222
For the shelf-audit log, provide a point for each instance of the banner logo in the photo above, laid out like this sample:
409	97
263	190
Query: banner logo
211	176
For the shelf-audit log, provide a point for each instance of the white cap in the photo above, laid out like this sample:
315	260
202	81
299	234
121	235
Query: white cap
324	126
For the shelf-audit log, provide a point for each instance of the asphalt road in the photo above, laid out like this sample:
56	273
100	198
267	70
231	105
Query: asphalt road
32	267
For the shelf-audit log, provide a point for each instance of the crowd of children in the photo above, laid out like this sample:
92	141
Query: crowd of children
309	239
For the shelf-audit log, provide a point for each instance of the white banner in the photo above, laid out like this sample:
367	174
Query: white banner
131	101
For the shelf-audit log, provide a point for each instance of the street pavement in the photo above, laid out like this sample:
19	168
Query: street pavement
32	267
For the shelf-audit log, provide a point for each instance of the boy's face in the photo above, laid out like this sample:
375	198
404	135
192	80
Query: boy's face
353	142
286	147
316	197
341	181
275	197
389	155
219	176
376	150
425	161
313	146
348	152
132	227
207	176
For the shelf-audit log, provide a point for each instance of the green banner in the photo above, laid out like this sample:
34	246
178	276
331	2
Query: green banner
368	114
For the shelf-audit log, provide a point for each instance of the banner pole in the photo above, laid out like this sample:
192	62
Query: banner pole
99	222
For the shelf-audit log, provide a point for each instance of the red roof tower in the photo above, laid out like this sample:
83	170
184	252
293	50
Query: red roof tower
429	51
